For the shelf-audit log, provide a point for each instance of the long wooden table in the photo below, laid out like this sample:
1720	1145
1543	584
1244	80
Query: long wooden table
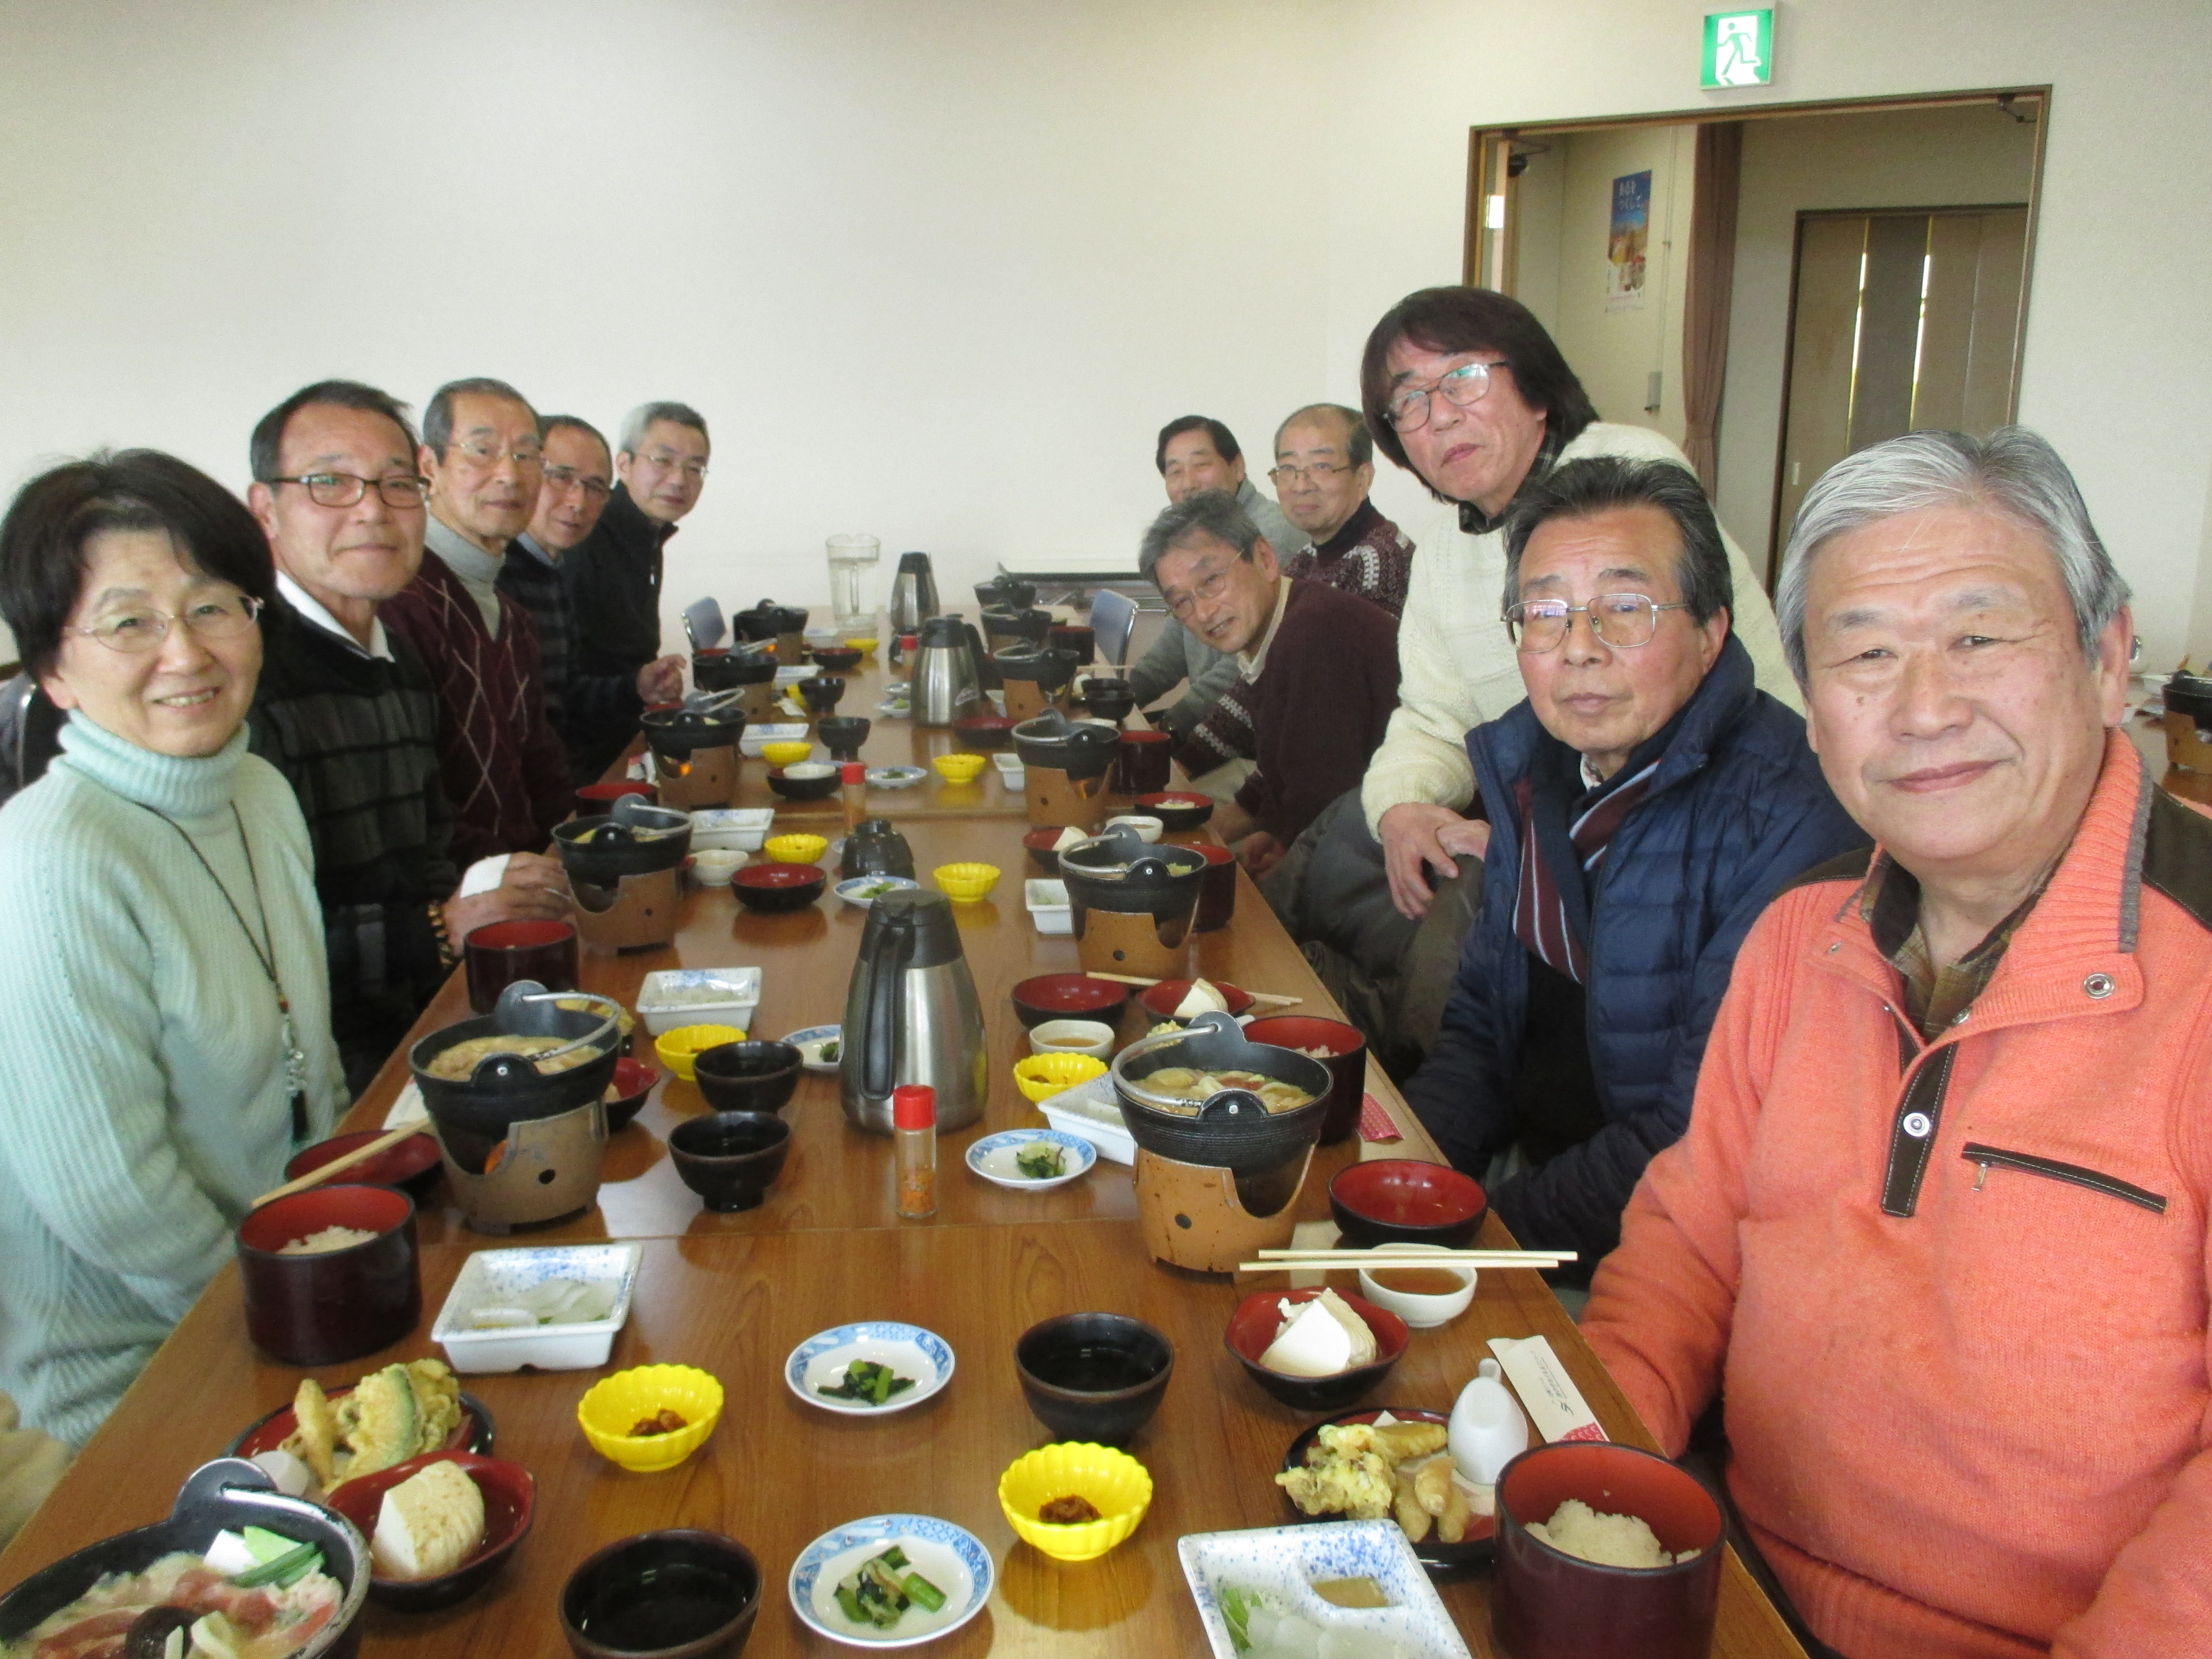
734	1293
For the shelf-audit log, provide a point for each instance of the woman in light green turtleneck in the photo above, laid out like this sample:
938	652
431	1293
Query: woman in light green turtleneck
164	1000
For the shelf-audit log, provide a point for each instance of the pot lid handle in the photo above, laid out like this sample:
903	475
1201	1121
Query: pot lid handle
1231	1103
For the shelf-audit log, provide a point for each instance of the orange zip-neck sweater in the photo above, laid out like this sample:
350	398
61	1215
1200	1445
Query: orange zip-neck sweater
1956	1291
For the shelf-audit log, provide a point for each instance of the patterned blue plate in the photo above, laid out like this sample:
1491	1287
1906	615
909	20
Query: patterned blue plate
908	1350
951	1558
1281	1564
993	1157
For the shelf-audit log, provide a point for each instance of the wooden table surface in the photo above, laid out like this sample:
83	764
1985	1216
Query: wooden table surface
735	1293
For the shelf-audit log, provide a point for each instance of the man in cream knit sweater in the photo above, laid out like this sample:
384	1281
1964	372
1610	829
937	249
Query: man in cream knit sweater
1463	387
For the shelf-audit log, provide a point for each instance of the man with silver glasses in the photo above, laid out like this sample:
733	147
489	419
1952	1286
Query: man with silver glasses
579	482
1646	800
614	577
346	710
504	769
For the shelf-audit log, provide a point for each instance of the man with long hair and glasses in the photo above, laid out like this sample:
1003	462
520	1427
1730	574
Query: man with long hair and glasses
1646	800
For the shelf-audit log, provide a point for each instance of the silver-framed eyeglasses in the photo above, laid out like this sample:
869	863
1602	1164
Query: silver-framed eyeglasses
594	487
1319	473
1623	621
138	630
668	460
1205	591
490	454
1462	387
345	488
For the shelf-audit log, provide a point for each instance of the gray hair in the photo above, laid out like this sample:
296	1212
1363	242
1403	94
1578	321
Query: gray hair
1598	483
635	422
1358	441
2013	471
438	413
1210	513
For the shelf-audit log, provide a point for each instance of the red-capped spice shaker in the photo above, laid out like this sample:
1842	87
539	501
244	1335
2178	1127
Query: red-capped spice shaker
904	646
914	1149
854	775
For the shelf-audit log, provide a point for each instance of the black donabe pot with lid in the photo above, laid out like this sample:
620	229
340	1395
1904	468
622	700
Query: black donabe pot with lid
1028	624
727	670
676	732
1081	749
1122	873
634	840
1005	594
2190	694
1048	666
1231	1129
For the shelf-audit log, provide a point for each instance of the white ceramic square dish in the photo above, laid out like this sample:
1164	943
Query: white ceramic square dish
1048	906
1090	1110
734	830
491	1278
698	996
1283	1562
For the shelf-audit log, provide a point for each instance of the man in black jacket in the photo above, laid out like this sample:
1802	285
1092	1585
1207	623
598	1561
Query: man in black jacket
349	714
614	574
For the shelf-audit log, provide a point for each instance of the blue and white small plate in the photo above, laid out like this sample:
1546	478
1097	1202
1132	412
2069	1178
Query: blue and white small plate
796	672
908	1350
951	1558
993	1157
808	1040
1282	1563
895	777
861	891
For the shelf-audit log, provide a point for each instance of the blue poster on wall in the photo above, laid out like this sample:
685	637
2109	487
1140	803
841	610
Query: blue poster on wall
1627	241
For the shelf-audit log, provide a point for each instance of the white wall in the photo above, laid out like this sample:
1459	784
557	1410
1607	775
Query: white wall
1901	158
939	271
1615	351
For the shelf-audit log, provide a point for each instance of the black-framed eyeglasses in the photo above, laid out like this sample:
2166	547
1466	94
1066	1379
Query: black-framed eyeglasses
134	632
1319	471
1462	387
595	488
345	488
1623	621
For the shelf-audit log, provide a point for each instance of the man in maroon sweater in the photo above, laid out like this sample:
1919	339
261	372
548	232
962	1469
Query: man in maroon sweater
1319	666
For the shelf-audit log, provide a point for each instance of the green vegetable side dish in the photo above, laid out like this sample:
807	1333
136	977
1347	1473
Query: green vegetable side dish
866	1381
829	1052
1041	1160
1235	1611
878	1592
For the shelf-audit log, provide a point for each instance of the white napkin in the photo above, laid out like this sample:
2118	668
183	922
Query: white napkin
483	876
407	1109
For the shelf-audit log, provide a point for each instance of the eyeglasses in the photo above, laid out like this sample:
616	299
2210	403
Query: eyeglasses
1318	471
133	633
488	454
666	459
594	488
1205	591
1463	388
1624	620
343	489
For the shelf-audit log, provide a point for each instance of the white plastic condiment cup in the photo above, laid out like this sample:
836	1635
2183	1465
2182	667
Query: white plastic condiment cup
1421	1312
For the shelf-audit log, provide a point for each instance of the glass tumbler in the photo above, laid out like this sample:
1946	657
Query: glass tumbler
853	560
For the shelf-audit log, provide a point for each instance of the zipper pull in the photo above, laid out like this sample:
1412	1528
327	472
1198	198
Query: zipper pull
1981	1173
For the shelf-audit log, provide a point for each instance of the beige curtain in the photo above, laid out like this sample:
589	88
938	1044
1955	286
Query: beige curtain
1718	171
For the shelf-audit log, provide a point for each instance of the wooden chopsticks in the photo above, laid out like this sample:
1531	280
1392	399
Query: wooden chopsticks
1288	1260
1273	1000
316	1177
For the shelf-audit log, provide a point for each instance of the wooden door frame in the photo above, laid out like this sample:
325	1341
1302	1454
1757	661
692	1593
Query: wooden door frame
1775	526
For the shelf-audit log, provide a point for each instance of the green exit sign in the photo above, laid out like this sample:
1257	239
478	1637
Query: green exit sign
1738	49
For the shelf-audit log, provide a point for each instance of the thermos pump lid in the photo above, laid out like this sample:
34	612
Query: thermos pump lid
914	1106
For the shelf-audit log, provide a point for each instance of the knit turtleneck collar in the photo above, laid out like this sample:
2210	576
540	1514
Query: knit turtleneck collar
182	788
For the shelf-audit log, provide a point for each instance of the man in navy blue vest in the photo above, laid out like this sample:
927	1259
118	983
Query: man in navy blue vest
1646	801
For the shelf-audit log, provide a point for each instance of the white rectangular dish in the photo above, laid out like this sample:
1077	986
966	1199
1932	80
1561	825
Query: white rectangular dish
736	830
698	996
1011	772
1282	1564
1048	906
493	1278
774	731
1089	1109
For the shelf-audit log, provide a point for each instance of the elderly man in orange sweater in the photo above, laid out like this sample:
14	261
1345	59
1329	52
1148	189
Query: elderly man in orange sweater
1938	1229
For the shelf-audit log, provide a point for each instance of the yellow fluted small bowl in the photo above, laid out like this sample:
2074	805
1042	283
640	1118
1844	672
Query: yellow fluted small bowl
679	1050
1043	1076
795	849
961	767
1115	1485
866	648
613	1405
966	883
786	754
